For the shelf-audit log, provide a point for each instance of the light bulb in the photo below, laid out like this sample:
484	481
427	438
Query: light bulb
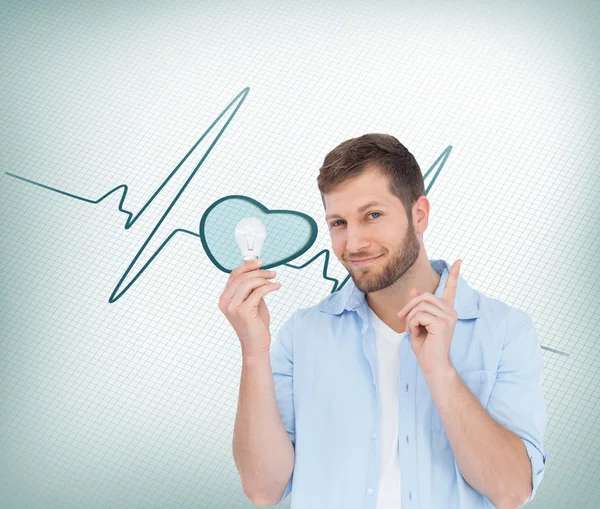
250	235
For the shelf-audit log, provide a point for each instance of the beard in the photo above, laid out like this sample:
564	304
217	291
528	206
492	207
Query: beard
369	279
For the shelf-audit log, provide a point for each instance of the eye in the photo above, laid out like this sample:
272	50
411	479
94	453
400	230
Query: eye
334	224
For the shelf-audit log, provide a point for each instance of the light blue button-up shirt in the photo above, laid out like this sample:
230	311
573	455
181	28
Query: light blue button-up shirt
324	365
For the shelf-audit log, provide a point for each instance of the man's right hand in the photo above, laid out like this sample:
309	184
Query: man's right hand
243	304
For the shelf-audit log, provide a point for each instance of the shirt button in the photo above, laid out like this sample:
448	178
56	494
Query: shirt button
374	435
406	387
369	491
407	439
409	495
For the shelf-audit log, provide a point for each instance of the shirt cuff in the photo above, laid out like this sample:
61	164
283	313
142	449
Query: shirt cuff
538	462
288	488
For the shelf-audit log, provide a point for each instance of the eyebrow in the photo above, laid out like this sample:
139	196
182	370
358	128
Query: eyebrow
359	210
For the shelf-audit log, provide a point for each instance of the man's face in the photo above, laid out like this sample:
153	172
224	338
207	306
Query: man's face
381	230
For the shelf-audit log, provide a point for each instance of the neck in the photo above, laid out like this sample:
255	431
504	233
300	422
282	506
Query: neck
387	302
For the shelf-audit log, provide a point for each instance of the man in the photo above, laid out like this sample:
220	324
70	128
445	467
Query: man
406	387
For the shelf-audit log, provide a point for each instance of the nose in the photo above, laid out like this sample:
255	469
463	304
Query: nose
356	240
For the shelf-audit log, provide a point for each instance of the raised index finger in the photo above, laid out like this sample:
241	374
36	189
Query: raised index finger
450	289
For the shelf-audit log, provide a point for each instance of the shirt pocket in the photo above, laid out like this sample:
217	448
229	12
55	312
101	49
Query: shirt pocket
480	382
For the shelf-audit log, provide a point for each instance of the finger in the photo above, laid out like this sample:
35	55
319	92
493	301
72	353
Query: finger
420	318
257	294
428	307
245	266
425	296
244	288
232	286
450	289
415	297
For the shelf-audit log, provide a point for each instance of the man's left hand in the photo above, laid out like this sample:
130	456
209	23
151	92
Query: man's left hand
431	322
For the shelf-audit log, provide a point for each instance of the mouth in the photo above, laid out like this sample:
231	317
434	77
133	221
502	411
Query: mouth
364	261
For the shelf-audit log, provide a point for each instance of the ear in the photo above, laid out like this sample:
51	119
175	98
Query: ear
421	210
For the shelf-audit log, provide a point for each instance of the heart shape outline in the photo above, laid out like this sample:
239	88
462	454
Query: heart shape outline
307	245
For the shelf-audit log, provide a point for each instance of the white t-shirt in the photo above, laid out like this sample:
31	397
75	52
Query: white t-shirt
387	342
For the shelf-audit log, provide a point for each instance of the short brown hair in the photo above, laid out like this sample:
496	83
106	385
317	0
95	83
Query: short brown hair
351	157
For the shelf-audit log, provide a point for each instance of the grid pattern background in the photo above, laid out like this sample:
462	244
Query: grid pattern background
132	403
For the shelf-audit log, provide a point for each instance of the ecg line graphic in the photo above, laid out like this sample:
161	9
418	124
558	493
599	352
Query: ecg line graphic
131	218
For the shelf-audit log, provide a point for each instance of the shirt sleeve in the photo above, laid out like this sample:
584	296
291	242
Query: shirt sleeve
282	364
517	401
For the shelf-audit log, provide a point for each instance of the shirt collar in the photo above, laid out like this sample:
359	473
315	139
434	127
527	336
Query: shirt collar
350	297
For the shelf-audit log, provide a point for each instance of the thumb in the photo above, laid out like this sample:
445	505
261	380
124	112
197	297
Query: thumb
414	293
